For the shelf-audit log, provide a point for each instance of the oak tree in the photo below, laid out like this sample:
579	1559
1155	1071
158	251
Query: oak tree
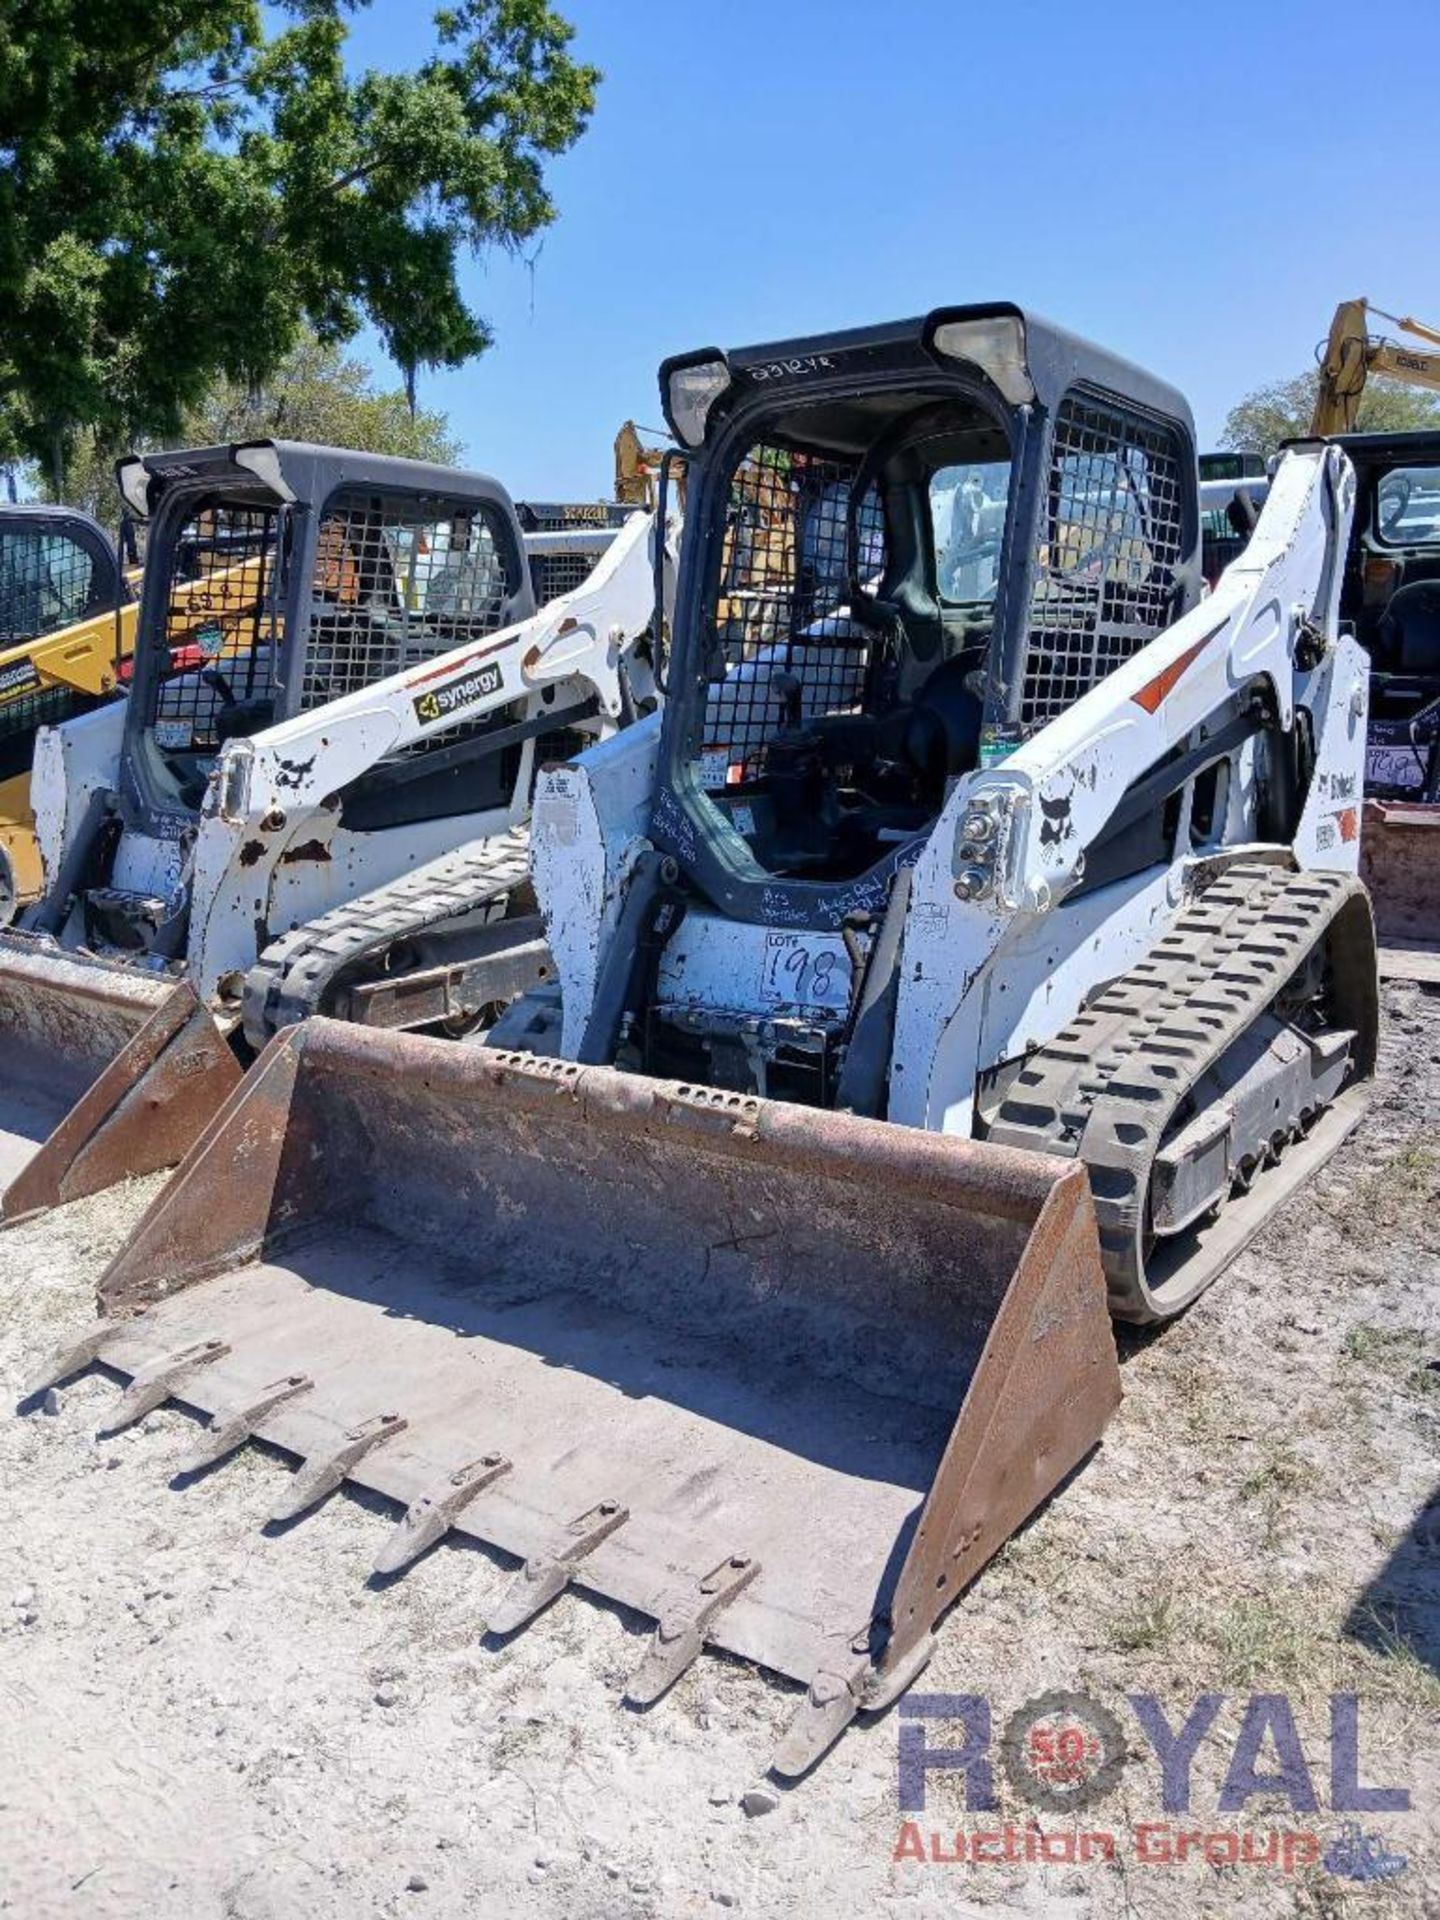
187	185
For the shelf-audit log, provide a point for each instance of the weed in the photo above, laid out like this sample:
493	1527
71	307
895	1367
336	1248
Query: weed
1257	1639
1147	1627
1401	1353
1274	1485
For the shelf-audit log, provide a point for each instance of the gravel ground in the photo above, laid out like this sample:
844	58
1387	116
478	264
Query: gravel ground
198	1720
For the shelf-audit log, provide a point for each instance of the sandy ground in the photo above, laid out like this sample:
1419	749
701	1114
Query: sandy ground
197	1720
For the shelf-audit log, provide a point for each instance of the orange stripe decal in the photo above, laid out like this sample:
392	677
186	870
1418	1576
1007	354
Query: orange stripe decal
449	665
1154	691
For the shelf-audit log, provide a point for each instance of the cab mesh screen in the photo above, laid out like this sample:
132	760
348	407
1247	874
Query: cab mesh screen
790	649
47	581
223	625
1109	551
397	581
21	718
552	574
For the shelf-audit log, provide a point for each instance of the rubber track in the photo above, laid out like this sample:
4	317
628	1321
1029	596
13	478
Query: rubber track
290	980
1106	1089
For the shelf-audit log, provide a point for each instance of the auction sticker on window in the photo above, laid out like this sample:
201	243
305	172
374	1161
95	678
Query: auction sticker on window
452	696
714	767
806	970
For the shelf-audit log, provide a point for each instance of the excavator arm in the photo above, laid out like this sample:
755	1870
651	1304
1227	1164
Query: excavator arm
1352	354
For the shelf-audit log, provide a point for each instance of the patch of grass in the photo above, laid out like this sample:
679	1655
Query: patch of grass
1194	1392
516	1741
1377	1346
1391	1667
1262	1639
1303	1642
1401	1353
1150	1626
1274	1485
1400	1193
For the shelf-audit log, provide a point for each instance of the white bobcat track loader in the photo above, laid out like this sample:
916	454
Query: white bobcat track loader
974	935
327	810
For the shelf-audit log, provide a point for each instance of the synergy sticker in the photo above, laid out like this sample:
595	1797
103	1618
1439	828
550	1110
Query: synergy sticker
21	676
439	703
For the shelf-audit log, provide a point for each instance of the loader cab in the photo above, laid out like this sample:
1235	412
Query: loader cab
279	577
57	568
1391	597
1229	513
282	576
906	549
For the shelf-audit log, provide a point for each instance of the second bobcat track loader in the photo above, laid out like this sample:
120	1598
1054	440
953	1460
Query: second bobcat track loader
1393	598
975	935
324	810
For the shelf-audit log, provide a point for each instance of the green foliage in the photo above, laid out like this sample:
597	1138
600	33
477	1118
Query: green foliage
316	393
1283	410
183	192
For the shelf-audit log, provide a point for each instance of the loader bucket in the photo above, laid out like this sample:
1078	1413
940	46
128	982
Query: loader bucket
1400	864
103	1075
781	1379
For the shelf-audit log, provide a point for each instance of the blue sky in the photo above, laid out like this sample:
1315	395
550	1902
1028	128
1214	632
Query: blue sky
1195	186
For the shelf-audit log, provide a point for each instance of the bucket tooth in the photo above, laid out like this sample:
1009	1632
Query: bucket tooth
431	1517
316	1479
230	1429
74	1357
545	1577
831	1702
154	1385
679	1638
836	1695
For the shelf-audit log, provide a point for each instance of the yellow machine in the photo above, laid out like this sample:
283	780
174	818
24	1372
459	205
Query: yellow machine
636	467
1390	592
68	614
67	619
1353	353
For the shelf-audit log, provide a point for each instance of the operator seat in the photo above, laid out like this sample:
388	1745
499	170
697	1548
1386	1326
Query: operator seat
943	725
1409	631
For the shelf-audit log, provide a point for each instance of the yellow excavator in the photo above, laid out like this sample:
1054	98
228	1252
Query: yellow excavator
637	468
1352	353
1391	597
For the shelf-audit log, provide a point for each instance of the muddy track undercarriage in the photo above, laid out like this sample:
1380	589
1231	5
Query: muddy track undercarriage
357	945
1124	1086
